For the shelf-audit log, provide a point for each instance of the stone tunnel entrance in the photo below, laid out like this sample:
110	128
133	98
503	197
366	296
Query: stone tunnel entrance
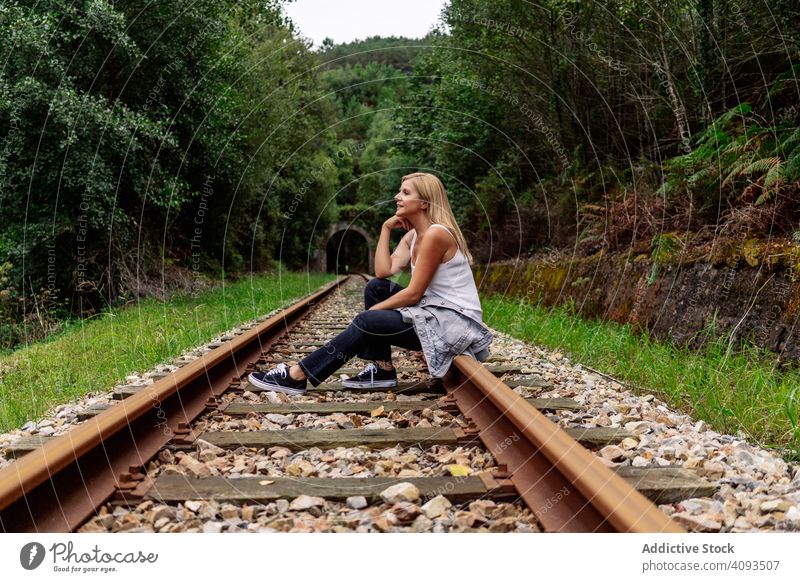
348	250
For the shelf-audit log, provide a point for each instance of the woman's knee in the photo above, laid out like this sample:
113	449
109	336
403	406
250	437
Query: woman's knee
376	284
363	321
372	322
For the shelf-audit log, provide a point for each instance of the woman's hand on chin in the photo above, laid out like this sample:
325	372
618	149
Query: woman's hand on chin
397	222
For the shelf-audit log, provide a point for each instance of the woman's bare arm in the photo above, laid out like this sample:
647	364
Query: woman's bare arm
431	251
387	265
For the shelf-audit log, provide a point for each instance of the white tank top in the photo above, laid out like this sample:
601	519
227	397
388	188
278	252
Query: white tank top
453	280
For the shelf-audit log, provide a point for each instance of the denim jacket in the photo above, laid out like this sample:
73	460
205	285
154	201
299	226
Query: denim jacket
445	332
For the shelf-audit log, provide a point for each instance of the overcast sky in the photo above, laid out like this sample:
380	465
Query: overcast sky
347	20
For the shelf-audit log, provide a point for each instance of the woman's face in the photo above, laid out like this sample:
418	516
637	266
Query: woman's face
408	200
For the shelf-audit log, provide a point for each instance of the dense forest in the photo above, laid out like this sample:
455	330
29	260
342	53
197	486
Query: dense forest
146	147
149	145
604	124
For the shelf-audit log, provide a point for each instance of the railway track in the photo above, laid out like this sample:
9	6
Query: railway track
197	451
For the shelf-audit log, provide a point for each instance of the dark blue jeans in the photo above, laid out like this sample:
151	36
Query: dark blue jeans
370	336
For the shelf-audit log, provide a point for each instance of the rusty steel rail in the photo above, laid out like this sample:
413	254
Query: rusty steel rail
60	485
565	485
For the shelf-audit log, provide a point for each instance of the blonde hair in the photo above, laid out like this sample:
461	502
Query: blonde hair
432	191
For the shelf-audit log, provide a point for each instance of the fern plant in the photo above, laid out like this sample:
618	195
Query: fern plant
790	148
700	168
736	154
752	157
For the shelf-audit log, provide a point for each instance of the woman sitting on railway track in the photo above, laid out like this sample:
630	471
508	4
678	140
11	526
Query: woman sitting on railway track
439	312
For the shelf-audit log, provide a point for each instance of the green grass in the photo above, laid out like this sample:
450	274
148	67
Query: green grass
731	391
97	353
403	278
